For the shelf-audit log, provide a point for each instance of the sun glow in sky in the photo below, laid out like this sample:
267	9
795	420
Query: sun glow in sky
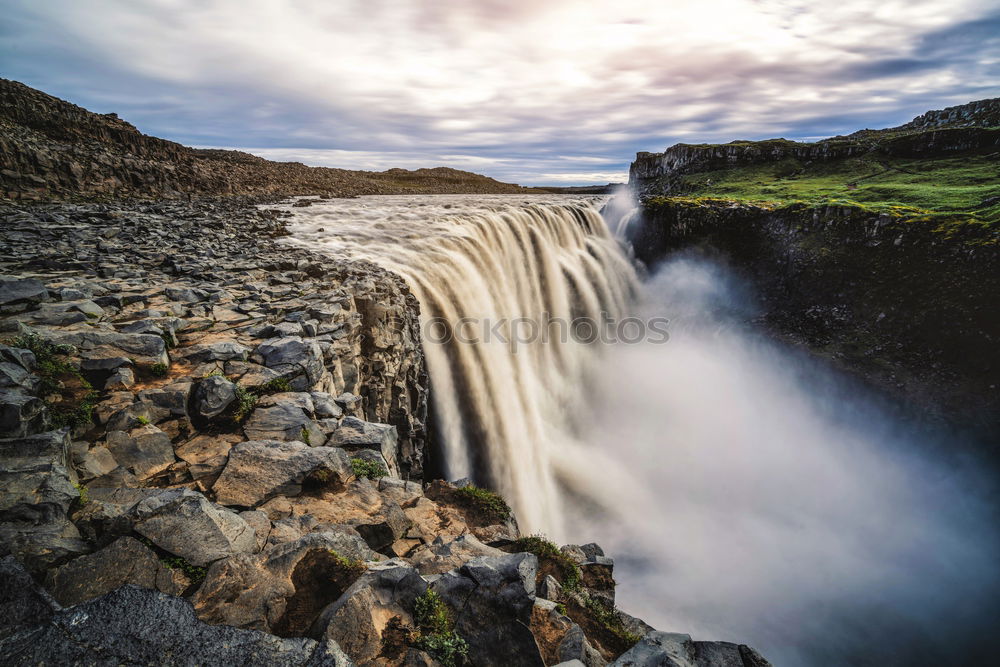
560	91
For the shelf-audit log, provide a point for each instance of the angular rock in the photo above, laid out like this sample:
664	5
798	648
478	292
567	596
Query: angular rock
282	421
124	561
492	601
21	414
358	619
186	524
213	395
284	589
669	649
260	470
301	362
355	434
23	603
137	626
223	350
27	290
144	451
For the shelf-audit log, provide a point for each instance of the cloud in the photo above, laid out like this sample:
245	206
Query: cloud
526	86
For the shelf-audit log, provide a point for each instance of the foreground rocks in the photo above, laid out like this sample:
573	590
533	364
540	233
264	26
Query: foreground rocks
214	455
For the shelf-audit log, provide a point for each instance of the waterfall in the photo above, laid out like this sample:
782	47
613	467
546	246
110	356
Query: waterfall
513	268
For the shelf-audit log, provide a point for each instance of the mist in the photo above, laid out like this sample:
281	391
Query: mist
750	494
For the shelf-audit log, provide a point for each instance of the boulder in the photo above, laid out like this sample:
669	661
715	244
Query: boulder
283	421
172	397
669	649
23	603
448	554
223	350
383	530
21	414
299	361
213	395
24	291
143	349
137	626
144	451
124	561
492	601
359	617
186	524
284	589
355	434
259	470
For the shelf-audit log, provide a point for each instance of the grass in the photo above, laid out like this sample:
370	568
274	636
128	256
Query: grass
436	630
569	572
488	502
76	397
158	370
84	495
276	386
368	469
245	402
951	193
143	421
350	566
194	572
605	615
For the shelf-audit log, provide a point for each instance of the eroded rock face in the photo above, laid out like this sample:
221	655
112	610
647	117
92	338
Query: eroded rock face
185	523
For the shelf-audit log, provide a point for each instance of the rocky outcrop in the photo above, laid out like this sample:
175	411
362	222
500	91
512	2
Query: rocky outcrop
51	149
970	127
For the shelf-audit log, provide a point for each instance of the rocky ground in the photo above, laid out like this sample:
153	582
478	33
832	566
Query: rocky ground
212	450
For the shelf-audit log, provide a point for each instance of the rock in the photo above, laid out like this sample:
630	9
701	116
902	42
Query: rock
282	590
137	626
96	462
325	406
35	473
358	619
355	434
143	349
223	350
120	378
444	555
172	397
668	649
213	395
27	290
144	451
492	601
260	470
282	421
385	529
125	561
301	362
23	603
186	524
185	294
206	455
21	414
261	526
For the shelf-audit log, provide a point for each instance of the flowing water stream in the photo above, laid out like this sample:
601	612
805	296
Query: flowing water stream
748	493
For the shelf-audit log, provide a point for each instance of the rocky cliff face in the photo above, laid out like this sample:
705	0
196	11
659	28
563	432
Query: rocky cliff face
892	302
969	127
51	149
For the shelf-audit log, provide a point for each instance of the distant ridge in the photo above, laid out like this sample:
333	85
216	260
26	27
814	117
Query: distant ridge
53	149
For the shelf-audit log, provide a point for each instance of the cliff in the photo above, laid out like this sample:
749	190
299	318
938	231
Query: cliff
52	149
878	251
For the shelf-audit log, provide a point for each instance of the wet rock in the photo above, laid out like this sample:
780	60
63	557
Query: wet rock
137	626
213	396
186	524
260	470
125	561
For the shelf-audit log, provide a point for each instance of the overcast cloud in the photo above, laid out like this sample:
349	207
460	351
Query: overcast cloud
531	91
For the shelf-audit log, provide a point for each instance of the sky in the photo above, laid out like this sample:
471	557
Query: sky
538	92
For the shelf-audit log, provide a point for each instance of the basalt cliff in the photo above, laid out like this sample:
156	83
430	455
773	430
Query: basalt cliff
877	250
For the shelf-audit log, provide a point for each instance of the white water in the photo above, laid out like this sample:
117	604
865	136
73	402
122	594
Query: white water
748	493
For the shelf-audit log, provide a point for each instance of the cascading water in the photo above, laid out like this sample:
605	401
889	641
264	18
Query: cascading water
749	494
515	269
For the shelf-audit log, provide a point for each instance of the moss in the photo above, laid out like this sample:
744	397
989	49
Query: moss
84	495
144	421
245	402
488	502
569	572
605	614
436	630
276	386
304	434
349	566
158	370
369	469
195	573
215	374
